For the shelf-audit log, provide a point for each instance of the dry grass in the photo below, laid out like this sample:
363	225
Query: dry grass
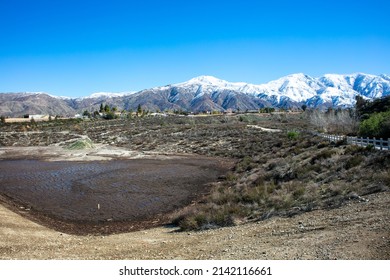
285	177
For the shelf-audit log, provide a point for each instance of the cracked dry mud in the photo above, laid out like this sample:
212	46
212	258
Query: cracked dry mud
106	196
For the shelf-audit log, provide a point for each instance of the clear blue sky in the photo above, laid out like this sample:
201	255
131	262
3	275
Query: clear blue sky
74	48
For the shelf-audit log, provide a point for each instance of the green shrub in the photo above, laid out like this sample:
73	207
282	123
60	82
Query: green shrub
81	144
370	148
292	135
110	116
377	125
243	119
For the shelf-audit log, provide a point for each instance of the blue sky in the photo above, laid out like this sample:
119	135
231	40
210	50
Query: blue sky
74	48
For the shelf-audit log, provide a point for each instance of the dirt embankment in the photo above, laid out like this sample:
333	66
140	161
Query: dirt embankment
359	230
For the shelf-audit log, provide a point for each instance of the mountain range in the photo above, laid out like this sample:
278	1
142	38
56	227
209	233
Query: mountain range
207	93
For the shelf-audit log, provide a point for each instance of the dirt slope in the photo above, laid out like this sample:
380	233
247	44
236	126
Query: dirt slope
359	230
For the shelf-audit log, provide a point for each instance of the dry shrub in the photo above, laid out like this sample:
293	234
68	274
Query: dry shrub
323	144
335	121
353	150
324	154
354	161
382	178
209	216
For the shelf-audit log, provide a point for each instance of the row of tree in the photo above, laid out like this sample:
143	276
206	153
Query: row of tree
374	117
107	112
367	119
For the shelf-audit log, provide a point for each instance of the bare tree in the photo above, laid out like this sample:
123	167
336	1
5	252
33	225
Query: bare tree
335	121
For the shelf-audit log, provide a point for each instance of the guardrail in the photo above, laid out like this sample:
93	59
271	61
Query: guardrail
379	144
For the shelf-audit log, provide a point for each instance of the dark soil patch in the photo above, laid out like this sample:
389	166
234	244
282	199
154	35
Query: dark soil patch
103	197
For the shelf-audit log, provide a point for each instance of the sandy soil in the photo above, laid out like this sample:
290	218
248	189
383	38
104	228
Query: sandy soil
99	152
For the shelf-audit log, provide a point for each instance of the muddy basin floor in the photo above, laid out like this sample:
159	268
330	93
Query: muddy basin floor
104	196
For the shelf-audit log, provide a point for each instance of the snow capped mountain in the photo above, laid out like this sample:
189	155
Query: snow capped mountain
207	93
210	84
344	88
328	90
296	87
385	77
289	91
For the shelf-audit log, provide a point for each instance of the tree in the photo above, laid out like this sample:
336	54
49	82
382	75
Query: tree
96	114
130	114
304	107
365	108
139	110
268	110
86	114
360	104
110	116
106	108
101	110
32	121
377	125
334	121
2	119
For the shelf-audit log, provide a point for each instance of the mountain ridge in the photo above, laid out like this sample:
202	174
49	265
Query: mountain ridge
208	93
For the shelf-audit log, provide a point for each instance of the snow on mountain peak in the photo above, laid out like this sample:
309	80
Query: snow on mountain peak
338	90
385	77
205	81
108	94
210	93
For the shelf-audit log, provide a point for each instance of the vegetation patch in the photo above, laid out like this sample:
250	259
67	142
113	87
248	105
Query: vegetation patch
81	145
289	180
377	125
293	135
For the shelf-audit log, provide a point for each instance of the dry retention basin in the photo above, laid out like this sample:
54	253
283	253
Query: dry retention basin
105	196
